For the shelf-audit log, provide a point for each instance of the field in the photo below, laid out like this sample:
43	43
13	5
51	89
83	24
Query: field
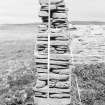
88	43
88	51
16	55
16	44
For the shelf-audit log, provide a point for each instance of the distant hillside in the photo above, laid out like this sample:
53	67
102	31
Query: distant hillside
88	22
18	31
19	26
34	25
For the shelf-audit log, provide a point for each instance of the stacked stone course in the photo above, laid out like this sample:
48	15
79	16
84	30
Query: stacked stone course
58	13
54	83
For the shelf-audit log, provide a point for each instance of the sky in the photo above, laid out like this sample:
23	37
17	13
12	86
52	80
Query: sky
19	11
26	11
87	10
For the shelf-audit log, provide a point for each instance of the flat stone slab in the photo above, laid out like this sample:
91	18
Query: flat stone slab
51	1
42	101
60	15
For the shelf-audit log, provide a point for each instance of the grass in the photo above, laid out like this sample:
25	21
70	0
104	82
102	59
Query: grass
16	63
15	51
16	66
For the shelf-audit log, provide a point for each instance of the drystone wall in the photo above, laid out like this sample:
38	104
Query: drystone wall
54	78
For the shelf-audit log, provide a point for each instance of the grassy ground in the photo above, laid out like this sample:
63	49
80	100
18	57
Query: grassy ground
16	57
16	44
12	51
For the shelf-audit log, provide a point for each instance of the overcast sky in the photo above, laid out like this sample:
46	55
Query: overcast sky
26	11
92	10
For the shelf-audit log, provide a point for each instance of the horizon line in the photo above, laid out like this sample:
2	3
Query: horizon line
72	22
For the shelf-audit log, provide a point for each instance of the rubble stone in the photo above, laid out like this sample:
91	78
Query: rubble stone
43	14
60	15
51	1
